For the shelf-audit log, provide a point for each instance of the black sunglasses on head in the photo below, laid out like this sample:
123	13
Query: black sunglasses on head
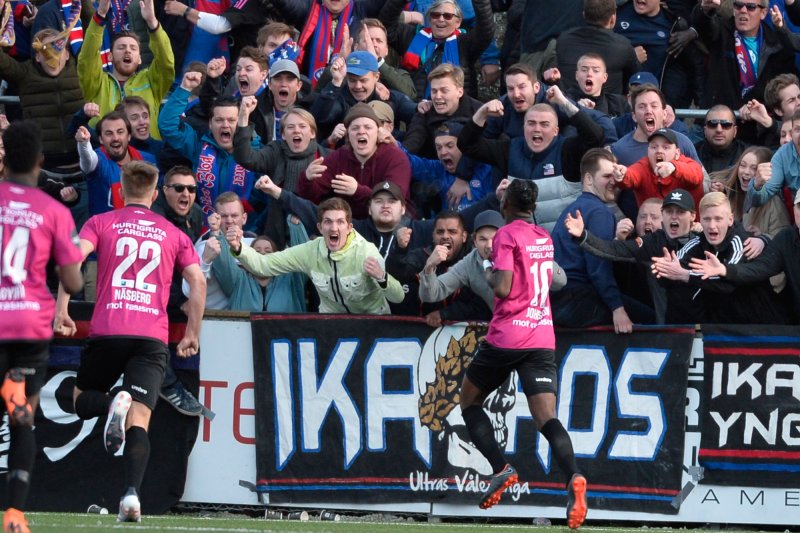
751	6
179	188
712	124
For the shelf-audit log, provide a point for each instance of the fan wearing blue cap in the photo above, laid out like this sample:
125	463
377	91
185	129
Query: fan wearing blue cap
354	80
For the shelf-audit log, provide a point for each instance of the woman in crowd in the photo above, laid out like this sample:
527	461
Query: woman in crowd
767	219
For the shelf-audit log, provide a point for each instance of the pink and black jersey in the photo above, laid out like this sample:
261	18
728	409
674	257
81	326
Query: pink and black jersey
33	228
523	320
137	252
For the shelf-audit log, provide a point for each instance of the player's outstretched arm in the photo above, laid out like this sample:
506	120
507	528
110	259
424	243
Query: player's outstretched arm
190	343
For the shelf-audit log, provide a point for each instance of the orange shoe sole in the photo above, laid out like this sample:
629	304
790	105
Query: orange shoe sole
494	498
577	513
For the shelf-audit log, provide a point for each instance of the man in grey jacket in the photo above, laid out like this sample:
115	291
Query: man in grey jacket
469	272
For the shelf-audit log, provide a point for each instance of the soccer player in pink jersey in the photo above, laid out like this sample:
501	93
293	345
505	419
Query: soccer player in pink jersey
33	227
137	251
520	338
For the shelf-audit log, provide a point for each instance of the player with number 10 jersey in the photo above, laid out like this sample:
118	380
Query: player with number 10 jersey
522	320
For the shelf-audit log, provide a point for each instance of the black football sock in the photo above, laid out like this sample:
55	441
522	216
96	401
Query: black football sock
482	435
136	455
91	404
21	455
561	445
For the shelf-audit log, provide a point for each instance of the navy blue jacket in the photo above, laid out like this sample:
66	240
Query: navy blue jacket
582	268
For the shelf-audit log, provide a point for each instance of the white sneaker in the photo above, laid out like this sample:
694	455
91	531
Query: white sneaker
115	424
130	510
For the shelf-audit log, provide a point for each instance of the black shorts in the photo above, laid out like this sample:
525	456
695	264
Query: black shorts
140	361
31	357
491	366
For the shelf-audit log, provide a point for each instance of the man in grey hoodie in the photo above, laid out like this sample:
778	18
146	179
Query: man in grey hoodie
469	271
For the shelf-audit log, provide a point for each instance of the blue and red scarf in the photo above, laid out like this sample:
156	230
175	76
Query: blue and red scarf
747	68
421	49
320	25
209	181
287	50
423	46
116	21
72	19
204	46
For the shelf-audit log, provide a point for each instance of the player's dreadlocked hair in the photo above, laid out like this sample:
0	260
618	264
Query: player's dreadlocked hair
521	195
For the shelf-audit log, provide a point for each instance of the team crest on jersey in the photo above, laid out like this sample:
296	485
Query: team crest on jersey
549	169
639	242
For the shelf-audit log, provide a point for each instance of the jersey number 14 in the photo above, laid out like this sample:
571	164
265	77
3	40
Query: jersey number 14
14	253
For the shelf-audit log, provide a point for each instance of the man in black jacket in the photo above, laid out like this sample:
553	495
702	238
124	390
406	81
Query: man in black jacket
177	204
747	52
678	211
597	36
721	301
447	103
781	255
355	80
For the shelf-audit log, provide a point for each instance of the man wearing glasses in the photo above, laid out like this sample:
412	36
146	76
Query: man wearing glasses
176	203
720	149
747	52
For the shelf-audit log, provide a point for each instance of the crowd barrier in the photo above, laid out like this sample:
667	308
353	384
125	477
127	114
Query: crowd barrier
361	413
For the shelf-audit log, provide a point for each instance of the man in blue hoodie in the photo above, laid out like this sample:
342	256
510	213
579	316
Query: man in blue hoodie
211	153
